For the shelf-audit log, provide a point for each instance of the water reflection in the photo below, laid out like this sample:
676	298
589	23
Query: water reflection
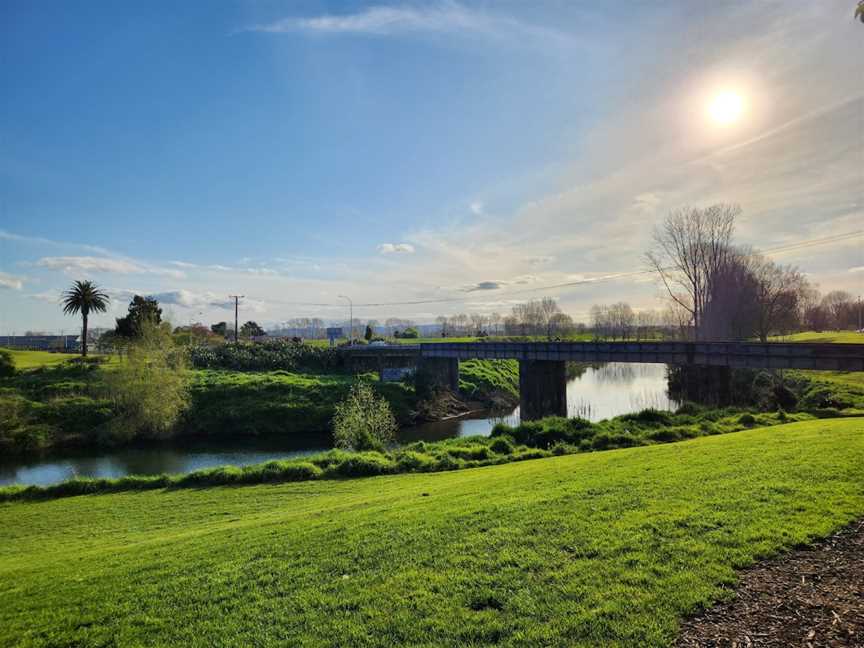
593	392
156	459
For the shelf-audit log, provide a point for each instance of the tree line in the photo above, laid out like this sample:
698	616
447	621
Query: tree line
720	290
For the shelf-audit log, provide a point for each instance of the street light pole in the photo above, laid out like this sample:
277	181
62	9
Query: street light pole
351	325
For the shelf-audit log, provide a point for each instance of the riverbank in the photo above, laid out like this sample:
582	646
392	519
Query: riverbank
529	440
58	402
607	548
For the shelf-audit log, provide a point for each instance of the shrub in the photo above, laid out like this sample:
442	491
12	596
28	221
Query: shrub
560	449
747	419
7	364
501	445
649	416
149	389
284	471
364	464
468	452
266	356
363	421
410	461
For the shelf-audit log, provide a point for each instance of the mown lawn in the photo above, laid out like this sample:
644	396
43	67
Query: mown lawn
607	548
838	337
32	359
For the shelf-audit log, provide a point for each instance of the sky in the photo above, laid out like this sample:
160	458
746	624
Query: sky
420	158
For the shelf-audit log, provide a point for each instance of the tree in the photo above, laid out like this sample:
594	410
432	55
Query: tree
84	297
149	389
859	11
689	250
363	421
441	320
840	307
142	310
220	329
779	290
369	333
251	329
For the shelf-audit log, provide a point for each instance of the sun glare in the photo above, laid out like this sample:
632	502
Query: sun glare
726	107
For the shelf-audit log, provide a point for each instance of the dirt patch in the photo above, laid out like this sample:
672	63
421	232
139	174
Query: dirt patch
811	597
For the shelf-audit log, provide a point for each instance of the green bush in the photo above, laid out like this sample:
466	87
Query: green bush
469	452
364	421
266	356
747	419
7	364
649	417
411	461
501	445
148	390
364	464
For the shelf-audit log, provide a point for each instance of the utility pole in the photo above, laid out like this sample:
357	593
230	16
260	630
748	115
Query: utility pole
236	299
351	317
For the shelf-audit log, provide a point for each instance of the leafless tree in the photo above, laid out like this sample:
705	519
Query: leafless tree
840	306
779	290
689	250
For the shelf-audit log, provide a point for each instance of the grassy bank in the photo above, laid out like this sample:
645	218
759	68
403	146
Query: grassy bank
54	401
835	337
530	440
599	549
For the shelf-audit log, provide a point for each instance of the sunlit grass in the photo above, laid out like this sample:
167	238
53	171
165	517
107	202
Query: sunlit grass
837	337
603	549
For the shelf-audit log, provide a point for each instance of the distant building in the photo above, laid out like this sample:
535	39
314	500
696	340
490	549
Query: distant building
41	342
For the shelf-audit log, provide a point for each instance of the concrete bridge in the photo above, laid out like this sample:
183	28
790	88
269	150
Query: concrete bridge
542	365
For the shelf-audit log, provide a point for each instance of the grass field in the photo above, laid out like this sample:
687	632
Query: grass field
837	337
608	549
32	359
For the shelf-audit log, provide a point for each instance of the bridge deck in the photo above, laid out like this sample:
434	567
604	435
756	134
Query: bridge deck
835	357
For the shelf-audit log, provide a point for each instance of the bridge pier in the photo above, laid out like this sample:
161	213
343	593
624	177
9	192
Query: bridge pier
542	388
435	373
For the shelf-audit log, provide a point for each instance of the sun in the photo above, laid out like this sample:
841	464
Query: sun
726	107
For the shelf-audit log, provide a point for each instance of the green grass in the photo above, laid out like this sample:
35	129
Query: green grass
479	378
25	360
603	549
839	337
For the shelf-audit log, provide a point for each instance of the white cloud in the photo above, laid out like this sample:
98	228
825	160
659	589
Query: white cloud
11	281
477	208
50	296
396	248
86	264
539	260
443	17
857	269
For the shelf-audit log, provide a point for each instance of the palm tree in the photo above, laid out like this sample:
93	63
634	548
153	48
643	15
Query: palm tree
84	297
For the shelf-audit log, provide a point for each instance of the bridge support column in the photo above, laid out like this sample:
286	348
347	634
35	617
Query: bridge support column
542	388
434	373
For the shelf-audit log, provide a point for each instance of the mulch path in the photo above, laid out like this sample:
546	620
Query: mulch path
811	597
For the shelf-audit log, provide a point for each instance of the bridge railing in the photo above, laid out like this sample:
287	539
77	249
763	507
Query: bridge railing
837	357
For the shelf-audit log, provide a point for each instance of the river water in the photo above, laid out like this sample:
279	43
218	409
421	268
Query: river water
598	393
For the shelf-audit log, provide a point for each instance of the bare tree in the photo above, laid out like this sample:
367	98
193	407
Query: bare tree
495	323
690	248
840	306
779	290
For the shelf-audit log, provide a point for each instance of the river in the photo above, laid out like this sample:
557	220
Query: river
598	393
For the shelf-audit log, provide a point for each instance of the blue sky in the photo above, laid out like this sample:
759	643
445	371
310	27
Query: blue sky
401	152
